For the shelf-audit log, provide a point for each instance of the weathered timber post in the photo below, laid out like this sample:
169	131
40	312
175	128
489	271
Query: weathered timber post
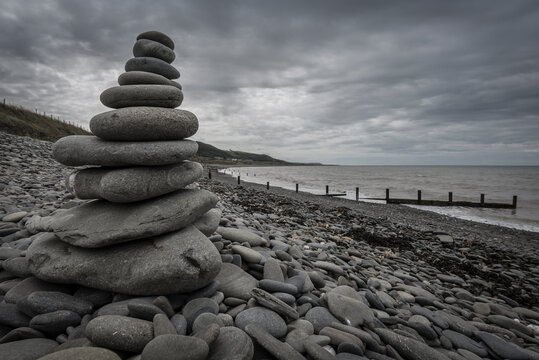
387	194
297	187
514	201
482	199
450	196
238	179
419	196
209	174
267	185
327	189
357	194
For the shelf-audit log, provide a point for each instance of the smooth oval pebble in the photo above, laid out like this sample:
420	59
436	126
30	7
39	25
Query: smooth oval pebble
157	36
166	96
120	332
56	322
80	150
82	353
267	319
144	77
232	343
27	349
150	48
175	347
144	123
154	65
132	184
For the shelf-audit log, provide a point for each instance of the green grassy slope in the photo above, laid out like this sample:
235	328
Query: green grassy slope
19	121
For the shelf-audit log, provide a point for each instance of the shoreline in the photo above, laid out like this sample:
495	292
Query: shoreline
520	227
421	219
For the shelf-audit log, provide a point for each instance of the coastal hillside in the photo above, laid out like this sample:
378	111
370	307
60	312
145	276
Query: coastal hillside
17	120
210	154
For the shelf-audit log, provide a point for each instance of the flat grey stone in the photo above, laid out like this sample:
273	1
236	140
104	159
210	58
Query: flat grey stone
272	270
162	325
325	265
461	341
144	123
150	48
124	185
17	266
209	333
9	253
317	352
232	343
21	333
29	349
175	347
144	310
153	65
235	282
82	353
320	317
203	321
120	332
41	302
209	222
504	349
144	77
14	217
338	337
195	307
79	150
271	302
247	254
56	322
409	348
30	285
267	319
12	317
166	96
241	236
277	286
177	262
280	350
349	310
157	36
125	222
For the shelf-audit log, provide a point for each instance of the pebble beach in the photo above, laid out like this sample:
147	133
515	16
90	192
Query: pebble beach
302	277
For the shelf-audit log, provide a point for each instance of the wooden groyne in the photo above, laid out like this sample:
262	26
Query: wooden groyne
449	202
417	201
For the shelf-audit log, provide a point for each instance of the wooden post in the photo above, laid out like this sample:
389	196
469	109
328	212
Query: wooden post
297	187
238	179
514	201
482	199
450	196
357	194
267	185
387	194
209	174
4	101
327	189
419	196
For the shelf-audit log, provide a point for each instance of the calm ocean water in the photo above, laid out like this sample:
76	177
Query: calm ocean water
498	183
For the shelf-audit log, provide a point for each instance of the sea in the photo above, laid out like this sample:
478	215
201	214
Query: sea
498	183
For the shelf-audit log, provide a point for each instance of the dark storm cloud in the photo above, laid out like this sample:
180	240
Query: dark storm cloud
331	81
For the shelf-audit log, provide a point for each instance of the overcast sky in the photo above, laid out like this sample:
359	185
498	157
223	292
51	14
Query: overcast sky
345	82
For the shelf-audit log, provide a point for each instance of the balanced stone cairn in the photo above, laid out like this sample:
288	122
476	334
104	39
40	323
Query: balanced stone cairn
146	234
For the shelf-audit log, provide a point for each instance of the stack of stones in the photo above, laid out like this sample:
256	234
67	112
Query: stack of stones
146	234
